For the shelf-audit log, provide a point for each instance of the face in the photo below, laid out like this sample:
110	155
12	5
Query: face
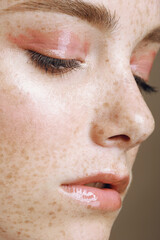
71	114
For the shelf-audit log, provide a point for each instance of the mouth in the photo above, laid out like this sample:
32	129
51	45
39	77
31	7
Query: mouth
101	191
99	185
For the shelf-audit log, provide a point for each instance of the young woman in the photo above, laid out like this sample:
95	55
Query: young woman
72	115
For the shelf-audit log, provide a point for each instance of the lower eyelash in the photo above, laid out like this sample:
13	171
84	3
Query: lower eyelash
53	65
144	86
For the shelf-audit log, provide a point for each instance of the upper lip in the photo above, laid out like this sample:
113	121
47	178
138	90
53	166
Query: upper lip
116	182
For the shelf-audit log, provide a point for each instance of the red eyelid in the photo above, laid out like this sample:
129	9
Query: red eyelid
56	44
142	65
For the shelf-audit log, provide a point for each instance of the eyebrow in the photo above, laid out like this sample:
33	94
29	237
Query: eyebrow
97	15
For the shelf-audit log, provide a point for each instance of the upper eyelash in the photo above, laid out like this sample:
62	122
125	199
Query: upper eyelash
53	65
60	66
144	86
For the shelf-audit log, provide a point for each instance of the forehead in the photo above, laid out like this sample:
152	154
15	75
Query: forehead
144	14
144	9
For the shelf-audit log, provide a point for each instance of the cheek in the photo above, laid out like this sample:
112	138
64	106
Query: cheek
33	135
26	121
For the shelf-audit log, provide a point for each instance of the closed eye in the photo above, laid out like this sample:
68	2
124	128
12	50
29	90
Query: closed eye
60	66
53	65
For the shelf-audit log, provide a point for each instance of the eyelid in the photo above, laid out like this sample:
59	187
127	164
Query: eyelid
61	66
58	43
142	65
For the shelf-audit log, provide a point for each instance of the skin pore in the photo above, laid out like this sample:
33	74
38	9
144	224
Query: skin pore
58	127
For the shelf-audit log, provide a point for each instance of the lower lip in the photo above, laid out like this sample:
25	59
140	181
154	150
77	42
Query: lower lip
100	199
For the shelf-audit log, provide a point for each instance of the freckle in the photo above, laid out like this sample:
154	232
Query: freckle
24	186
40	169
51	213
96	110
59	209
2	184
115	83
95	126
23	152
106	104
54	165
35	175
33	182
27	157
53	203
9	176
16	206
9	197
18	212
27	221
89	207
31	209
50	224
18	233
76	130
115	116
43	28
27	235
63	233
101	132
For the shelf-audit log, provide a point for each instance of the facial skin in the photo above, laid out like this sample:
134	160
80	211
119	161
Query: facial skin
55	129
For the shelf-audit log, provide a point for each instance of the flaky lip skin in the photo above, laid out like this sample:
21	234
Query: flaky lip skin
116	182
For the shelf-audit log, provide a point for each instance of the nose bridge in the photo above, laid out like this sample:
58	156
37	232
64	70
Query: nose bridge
122	117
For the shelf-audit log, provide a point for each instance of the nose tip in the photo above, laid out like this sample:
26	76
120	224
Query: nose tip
131	127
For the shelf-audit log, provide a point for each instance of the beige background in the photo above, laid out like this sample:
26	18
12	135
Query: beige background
140	216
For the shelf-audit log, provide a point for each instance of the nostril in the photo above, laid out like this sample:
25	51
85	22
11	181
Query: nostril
121	137
108	139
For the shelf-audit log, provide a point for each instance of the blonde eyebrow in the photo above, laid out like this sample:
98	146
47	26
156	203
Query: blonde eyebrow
98	16
153	36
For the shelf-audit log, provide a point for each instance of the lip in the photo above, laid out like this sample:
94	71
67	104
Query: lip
106	199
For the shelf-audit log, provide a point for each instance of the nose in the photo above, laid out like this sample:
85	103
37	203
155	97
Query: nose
122	119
